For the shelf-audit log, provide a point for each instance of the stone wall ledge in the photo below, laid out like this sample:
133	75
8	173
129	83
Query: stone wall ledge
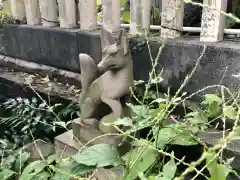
59	48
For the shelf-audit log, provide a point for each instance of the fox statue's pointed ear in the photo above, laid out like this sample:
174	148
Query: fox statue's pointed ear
122	41
106	38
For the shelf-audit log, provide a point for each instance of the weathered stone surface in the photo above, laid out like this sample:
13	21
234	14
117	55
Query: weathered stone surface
42	45
115	173
108	119
86	133
17	84
211	137
65	145
39	149
90	43
64	49
178	58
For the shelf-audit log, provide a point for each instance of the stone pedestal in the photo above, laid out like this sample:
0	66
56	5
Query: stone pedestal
84	130
66	145
38	149
86	133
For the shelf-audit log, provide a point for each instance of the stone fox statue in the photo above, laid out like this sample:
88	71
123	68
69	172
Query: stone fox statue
110	80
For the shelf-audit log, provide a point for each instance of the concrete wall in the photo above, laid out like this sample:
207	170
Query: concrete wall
60	48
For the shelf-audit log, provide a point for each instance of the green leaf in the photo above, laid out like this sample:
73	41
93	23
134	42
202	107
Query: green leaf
21	160
196	118
60	123
69	168
6	174
139	110
142	176
164	136
210	98
99	155
217	171
230	112
170	168
8	161
173	134
32	170
52	158
140	159
126	121
42	176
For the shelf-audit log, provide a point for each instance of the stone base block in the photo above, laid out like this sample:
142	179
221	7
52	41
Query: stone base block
86	131
38	149
66	146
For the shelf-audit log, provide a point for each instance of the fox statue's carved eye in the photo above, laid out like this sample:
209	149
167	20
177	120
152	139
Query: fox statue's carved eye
113	55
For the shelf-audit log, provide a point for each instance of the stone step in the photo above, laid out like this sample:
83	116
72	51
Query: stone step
87	131
212	136
66	146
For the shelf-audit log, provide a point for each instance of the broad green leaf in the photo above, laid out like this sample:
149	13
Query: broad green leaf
126	121
196	118
217	171
164	136
139	110
230	112
99	155
42	176
210	98
21	160
60	123
170	168
161	178
142	176
173	134
6	174
140	159
69	168
32	170
52	158
213	109
8	161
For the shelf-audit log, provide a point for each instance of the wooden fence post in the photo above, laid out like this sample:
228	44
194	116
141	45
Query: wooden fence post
88	14
213	21
111	15
18	9
135	16
172	18
67	13
146	13
32	12
49	14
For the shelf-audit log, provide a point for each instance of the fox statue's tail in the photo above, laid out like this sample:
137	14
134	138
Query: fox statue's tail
89	72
